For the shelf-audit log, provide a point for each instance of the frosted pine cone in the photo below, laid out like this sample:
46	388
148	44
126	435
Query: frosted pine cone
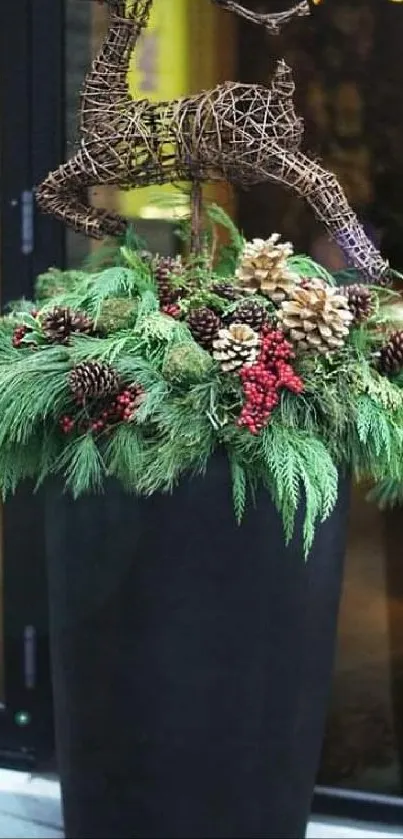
390	359
263	267
92	380
59	324
235	346
316	318
360	302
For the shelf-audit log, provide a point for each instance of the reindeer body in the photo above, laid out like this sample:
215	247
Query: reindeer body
193	139
244	134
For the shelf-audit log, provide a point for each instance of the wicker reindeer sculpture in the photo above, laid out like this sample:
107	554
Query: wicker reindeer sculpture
244	134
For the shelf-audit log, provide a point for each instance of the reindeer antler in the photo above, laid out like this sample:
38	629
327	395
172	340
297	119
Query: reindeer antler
273	22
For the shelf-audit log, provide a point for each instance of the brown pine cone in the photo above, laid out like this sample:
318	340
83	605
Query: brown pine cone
166	270
60	323
360	302
390	358
92	380
250	312
204	325
226	290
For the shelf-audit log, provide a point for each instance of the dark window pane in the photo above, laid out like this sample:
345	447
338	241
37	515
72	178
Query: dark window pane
78	48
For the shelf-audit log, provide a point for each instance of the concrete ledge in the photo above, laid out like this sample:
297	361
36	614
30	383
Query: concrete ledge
30	809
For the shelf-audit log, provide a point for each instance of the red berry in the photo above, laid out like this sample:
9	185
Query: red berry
172	310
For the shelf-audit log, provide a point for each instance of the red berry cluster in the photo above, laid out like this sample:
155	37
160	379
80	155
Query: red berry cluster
18	335
172	310
21	331
263	380
121	409
67	424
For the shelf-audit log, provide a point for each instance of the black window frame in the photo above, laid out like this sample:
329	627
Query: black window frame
31	143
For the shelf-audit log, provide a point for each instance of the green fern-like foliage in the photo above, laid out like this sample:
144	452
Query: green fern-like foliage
346	416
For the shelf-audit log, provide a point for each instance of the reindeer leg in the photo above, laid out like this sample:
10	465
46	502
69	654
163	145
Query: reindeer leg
321	189
64	195
273	22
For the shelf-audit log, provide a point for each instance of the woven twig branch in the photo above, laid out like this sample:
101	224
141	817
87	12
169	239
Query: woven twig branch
272	22
244	134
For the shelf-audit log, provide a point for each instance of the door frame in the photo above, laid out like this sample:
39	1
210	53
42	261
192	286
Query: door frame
31	143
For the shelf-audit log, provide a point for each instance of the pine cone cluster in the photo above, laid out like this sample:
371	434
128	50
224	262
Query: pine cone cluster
204	325
390	358
316	318
236	346
263	267
250	312
93	380
60	324
360	302
166	270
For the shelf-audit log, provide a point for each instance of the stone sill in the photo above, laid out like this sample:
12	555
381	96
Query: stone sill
30	809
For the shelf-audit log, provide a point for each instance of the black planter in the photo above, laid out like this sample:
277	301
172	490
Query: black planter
191	662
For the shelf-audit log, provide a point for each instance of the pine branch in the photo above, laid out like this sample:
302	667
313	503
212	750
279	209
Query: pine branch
123	456
238	488
219	217
387	494
82	466
298	461
228	255
90	292
304	266
14	307
32	390
18	463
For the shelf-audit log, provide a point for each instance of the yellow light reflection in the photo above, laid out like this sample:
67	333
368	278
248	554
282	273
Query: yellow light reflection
318	2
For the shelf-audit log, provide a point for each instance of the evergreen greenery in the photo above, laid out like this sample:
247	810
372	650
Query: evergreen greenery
348	417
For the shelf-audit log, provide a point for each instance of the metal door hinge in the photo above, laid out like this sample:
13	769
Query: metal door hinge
27	222
30	657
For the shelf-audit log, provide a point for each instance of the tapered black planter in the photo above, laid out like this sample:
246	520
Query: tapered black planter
191	661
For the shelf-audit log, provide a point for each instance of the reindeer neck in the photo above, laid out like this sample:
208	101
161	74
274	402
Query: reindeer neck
106	84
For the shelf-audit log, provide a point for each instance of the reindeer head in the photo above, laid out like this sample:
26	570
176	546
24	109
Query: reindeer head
272	22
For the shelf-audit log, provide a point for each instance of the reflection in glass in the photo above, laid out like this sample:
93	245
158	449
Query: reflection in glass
78	49
362	748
